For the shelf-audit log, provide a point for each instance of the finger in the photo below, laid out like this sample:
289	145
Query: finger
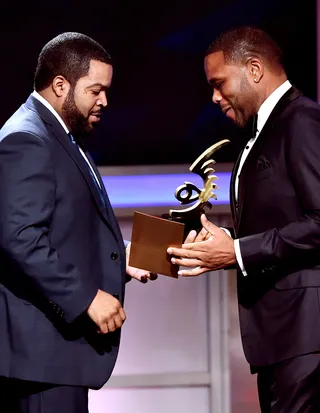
193	272
202	235
117	321
147	275
178	252
186	262
209	226
122	314
143	278
186	252
191	237
111	325
153	276
140	275
104	328
196	247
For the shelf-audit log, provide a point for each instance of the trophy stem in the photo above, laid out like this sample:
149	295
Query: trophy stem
191	220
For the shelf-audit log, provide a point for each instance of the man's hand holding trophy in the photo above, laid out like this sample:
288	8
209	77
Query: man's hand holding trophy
152	236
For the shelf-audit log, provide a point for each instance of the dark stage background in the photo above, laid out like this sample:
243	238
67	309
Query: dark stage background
160	108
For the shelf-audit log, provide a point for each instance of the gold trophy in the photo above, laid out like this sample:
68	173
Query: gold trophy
152	236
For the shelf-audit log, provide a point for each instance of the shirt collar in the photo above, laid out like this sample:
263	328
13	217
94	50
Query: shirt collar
268	105
41	99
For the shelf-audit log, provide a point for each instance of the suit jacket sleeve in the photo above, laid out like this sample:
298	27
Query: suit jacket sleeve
296	245
27	188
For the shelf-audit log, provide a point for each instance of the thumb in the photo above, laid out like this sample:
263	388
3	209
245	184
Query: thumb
209	226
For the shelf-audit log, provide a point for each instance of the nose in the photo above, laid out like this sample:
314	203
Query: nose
216	96
102	100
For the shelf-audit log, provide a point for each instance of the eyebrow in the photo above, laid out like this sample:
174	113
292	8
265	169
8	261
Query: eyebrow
214	80
97	85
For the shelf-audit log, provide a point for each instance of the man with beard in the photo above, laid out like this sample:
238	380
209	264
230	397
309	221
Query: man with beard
275	203
63	259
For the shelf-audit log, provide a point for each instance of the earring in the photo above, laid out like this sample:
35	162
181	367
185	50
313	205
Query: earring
255	80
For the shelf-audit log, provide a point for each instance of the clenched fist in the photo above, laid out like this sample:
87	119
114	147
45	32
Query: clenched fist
107	312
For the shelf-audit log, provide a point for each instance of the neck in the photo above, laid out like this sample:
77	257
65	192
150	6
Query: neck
55	102
52	99
271	84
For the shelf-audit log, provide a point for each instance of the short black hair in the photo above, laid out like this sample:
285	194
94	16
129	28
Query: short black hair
241	43
69	55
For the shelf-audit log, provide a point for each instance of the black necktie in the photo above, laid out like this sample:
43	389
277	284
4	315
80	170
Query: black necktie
91	173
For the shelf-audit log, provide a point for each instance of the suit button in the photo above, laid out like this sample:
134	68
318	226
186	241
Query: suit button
114	255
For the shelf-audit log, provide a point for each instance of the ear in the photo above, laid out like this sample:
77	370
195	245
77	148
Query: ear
255	69
60	86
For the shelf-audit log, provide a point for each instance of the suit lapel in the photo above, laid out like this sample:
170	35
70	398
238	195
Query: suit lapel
233	202
277	111
81	164
96	171
108	209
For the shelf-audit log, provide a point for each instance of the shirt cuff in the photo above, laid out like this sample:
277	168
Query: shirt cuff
226	231
239	257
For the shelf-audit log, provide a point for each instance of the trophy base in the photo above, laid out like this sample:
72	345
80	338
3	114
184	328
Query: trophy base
151	237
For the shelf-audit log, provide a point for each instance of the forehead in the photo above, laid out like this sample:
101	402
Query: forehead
216	68
214	64
215	61
99	72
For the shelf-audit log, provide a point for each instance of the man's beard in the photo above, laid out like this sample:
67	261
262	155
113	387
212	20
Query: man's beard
78	123
244	107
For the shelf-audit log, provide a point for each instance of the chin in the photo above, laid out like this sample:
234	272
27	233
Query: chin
89	127
241	123
93	124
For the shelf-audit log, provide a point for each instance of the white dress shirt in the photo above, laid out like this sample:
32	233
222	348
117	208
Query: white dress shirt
263	115
41	99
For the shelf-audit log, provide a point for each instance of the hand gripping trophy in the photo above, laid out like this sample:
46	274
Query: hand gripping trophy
151	236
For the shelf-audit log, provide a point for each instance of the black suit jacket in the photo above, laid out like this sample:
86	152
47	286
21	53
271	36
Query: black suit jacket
277	219
58	245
